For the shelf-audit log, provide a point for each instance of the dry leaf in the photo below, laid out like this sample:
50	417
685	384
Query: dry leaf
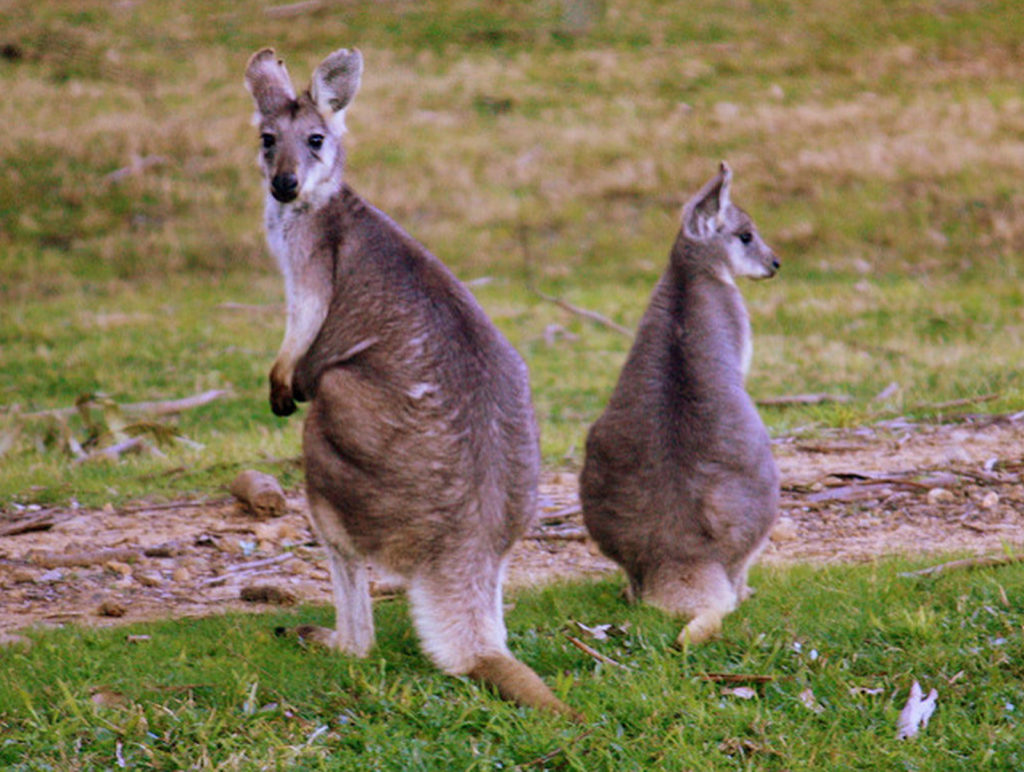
810	701
603	632
106	698
916	712
857	690
743	692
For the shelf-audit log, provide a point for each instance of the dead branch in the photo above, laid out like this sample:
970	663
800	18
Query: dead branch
43	520
168	407
966	565
259	493
736	678
293	9
85	558
594	652
802	399
565	305
553	518
113	452
955	402
137	166
570	533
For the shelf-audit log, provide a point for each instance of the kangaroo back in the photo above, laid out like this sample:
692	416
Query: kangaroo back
679	485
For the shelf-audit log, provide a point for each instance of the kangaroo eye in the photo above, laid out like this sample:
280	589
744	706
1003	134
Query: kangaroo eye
268	141
316	141
746	237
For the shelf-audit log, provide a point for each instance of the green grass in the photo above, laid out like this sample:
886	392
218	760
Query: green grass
877	145
224	693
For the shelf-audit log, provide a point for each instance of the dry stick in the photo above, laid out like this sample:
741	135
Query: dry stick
168	407
955	402
736	678
531	286
594	652
87	558
802	399
966	564
37	521
567	534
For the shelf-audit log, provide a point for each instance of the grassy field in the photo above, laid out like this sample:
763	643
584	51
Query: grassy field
815	691
877	144
547	145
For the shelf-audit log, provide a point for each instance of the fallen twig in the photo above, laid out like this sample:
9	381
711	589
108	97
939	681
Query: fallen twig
293	9
594	652
167	407
802	399
955	402
966	564
586	313
570	533
137	166
43	520
736	678
86	558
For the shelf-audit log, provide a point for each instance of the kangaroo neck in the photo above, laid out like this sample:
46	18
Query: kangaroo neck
710	329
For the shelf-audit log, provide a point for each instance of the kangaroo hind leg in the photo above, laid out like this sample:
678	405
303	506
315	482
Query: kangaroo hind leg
353	633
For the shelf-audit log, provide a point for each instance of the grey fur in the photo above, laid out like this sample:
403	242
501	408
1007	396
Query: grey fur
679	485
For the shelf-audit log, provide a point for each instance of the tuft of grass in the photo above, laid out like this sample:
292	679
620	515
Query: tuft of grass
224	693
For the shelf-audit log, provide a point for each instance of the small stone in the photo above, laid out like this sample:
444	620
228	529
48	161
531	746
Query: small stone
785	530
146	579
181	574
989	500
940	496
111	608
117	567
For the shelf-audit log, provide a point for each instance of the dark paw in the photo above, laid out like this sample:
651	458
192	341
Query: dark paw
281	402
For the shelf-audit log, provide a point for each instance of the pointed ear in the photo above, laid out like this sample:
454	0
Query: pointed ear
335	83
704	214
268	82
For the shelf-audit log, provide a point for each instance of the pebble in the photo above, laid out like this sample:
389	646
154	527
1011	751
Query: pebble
940	496
989	500
785	530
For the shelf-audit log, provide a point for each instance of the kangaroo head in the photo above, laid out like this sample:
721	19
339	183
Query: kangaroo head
300	136
711	220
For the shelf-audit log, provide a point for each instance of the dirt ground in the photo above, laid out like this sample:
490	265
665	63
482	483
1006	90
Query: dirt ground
850	495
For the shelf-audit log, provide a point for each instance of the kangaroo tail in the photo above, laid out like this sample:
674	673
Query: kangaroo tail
518	683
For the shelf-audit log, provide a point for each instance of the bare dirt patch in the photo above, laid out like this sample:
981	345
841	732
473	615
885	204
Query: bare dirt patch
851	495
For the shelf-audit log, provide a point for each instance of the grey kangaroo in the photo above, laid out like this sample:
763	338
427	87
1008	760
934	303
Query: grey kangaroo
679	485
420	443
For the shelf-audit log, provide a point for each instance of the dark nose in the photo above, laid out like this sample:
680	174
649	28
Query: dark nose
776	265
284	187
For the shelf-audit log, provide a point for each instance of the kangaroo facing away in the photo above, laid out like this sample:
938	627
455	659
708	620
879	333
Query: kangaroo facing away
679	485
420	443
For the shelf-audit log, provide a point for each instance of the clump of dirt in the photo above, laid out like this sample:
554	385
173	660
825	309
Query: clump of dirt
852	495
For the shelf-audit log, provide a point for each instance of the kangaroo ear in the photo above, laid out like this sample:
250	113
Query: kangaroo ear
335	83
268	82
704	214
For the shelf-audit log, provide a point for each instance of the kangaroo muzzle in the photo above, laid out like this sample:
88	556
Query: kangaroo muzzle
284	187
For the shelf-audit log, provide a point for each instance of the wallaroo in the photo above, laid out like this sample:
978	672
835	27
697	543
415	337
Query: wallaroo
679	485
420	443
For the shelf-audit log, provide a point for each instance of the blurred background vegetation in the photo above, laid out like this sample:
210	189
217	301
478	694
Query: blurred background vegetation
547	144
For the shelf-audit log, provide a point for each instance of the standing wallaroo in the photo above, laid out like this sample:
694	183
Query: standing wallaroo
679	485
420	444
